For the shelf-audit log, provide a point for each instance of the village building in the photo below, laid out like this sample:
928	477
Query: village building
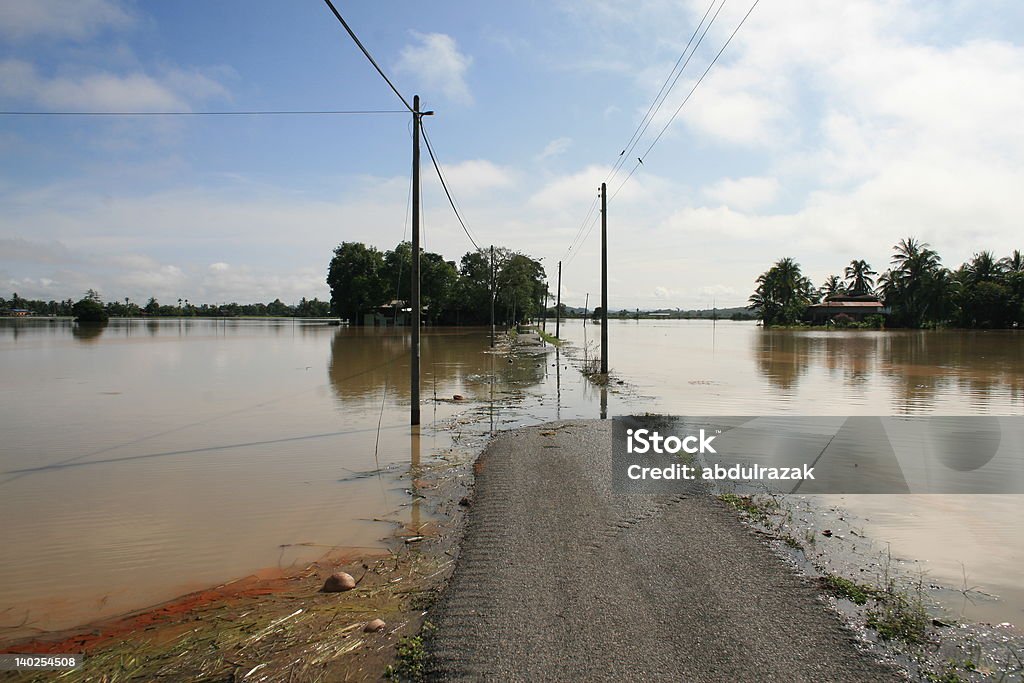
854	308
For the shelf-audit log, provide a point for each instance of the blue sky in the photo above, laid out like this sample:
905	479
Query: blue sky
826	132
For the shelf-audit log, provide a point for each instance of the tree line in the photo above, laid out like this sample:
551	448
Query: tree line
917	290
366	280
126	308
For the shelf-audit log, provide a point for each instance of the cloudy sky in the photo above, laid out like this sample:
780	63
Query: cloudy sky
826	132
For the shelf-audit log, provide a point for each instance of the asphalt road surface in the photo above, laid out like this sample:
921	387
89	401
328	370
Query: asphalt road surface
559	579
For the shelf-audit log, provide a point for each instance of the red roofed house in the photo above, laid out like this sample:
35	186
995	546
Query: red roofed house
855	307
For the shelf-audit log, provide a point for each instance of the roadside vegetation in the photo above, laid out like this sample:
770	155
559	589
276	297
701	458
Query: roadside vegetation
891	608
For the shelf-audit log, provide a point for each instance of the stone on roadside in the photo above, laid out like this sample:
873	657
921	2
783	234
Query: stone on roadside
339	582
374	626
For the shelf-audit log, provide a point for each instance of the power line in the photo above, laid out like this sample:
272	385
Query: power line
655	106
255	112
648	118
695	85
366	52
639	161
440	175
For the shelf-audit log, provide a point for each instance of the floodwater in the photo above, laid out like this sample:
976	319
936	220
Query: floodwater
961	542
146	459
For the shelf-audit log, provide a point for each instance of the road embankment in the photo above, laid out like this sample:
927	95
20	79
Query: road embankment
558	578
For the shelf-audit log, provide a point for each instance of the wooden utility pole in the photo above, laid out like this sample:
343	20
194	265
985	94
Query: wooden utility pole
544	311
414	361
558	305
492	296
604	279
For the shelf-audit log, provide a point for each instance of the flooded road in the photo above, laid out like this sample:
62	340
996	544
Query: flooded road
735	368
149	458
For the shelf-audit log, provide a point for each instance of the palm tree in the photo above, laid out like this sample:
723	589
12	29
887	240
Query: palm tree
782	294
1013	263
983	268
833	286
859	277
916	286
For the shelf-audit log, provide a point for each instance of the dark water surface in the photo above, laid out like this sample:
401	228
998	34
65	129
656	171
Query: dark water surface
149	458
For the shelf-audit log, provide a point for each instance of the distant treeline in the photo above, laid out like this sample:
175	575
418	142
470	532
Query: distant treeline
126	308
365	280
916	290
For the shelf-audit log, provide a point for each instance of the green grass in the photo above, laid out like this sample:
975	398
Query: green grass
410	658
549	338
851	590
897	616
748	505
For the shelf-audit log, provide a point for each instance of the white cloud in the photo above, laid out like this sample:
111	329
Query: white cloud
436	64
103	91
744	194
473	176
78	20
555	148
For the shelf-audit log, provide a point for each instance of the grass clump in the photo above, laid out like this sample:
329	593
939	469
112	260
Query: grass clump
410	658
855	592
897	617
549	338
748	505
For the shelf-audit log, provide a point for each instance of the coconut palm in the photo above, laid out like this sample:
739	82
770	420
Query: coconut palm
983	267
916	287
1013	263
833	286
783	293
859	277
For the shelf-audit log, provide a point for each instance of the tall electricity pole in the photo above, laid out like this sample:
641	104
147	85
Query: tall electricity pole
558	305
604	279
414	360
492	296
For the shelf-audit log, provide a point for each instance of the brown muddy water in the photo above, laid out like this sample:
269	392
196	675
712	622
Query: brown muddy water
145	459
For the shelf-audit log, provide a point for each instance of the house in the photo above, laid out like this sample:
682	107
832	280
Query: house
20	312
856	308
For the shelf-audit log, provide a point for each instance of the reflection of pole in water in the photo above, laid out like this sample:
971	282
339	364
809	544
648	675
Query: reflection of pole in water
558	383
604	402
414	459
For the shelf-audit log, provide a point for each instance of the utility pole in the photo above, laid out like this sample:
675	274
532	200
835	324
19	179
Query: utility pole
414	360
558	305
604	279
544	311
586	310
492	296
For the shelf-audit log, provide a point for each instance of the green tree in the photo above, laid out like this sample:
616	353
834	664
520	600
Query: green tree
833	286
473	291
859	278
520	287
354	276
916	288
89	309
783	293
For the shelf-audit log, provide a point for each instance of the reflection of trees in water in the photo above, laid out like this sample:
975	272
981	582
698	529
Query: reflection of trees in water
984	366
88	332
854	355
782	357
364	359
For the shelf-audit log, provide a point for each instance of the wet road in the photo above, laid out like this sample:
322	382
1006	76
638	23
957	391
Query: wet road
559	579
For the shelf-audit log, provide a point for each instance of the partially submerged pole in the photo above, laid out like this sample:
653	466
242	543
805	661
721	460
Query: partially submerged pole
414	360
492	296
558	305
604	279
